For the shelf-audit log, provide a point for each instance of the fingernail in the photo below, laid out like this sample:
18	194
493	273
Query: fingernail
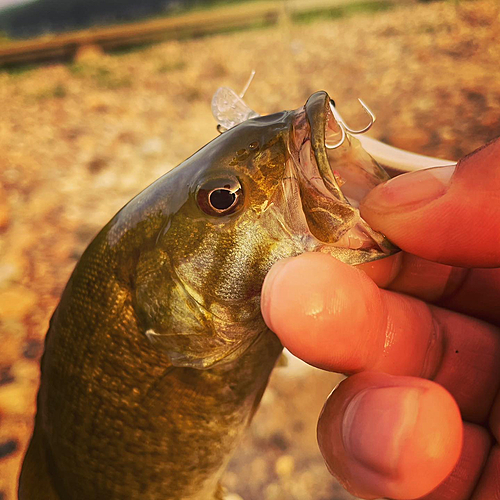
377	424
267	287
410	190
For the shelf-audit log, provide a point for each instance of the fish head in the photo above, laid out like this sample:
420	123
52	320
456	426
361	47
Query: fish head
264	190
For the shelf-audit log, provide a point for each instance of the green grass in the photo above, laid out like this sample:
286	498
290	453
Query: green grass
4	38
102	77
343	11
58	91
18	70
204	5
130	49
170	66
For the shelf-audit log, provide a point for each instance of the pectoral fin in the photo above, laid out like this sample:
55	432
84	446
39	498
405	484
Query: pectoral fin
197	350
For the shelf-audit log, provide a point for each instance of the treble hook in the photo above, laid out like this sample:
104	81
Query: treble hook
345	128
342	138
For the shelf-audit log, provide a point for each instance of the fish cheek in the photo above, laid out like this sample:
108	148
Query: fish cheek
164	309
175	323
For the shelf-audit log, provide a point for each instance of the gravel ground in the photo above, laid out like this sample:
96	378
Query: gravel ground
79	140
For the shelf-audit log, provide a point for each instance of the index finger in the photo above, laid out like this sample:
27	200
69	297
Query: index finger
335	317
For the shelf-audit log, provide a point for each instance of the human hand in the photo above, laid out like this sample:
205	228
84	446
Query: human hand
419	414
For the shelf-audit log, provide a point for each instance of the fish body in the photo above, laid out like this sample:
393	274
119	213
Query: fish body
157	355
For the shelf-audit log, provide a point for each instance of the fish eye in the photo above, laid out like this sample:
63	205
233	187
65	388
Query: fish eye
220	196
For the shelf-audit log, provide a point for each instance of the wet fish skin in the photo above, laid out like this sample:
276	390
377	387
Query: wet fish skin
157	355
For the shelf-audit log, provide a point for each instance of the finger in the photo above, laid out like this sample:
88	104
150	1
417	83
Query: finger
377	430
470	291
477	295
488	487
424	279
444	214
460	484
384	271
333	316
494	419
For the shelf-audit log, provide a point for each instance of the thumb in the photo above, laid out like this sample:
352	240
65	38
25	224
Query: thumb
387	436
444	214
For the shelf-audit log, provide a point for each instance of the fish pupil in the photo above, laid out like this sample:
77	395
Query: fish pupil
222	199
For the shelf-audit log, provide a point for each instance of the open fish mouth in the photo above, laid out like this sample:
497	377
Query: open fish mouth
332	182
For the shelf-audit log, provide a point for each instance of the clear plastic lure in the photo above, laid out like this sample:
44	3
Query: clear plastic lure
229	108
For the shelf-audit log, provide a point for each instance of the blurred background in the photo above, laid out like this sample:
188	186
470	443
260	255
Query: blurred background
100	98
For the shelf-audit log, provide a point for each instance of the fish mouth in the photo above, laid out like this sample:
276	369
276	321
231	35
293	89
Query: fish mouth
332	182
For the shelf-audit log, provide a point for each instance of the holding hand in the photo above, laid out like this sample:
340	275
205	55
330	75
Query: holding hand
420	413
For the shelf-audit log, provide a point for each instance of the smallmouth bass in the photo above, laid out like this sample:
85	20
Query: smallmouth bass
157	355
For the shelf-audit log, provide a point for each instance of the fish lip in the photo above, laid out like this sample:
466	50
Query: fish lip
359	242
320	117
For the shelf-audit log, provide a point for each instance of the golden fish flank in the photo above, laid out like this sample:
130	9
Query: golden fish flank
157	355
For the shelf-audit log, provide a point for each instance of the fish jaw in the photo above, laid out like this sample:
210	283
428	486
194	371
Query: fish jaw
330	184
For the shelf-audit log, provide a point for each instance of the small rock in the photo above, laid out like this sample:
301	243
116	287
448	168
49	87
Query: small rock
17	399
11	342
273	491
4	210
259	468
6	376
26	372
32	349
16	302
279	440
8	272
232	496
106	179
42	204
153	146
231	481
7	448
490	118
97	164
284	466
